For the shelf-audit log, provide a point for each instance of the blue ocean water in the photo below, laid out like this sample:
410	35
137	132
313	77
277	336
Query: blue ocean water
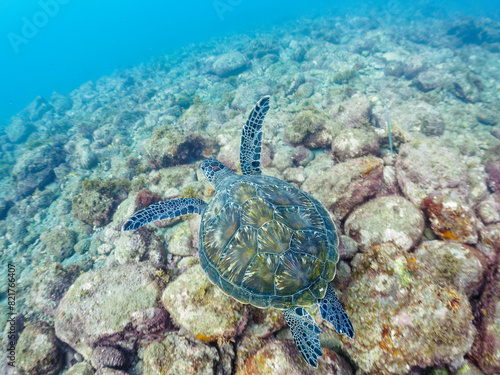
56	45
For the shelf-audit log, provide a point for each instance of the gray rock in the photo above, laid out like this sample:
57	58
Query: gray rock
19	129
489	211
50	283
181	242
429	80
413	66
386	219
353	143
100	306
349	249
37	109
425	166
229	64
343	186
36	169
61	103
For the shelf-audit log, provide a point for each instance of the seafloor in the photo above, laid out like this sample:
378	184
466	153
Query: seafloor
419	275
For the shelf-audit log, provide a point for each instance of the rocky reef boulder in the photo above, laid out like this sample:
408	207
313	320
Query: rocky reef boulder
202	308
343	186
454	264
283	357
179	355
486	349
37	350
19	129
353	143
424	167
35	169
402	317
450	219
386	219
171	145
229	64
101	306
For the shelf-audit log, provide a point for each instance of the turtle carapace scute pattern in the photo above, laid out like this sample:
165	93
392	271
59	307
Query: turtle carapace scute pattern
264	242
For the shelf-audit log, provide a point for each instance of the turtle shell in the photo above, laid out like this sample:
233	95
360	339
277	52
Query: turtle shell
267	243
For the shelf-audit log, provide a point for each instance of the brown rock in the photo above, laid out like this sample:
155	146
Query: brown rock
451	220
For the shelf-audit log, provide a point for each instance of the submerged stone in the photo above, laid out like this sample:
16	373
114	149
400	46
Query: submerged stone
202	308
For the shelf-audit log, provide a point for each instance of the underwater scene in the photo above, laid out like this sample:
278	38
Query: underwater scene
277	189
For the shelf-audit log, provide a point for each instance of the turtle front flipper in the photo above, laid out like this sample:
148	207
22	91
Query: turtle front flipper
164	210
333	312
251	139
305	333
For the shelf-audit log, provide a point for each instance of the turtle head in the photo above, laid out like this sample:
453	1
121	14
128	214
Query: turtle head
215	172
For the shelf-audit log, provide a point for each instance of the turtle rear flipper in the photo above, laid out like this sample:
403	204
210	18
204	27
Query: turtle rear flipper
333	312
164	210
251	139
305	333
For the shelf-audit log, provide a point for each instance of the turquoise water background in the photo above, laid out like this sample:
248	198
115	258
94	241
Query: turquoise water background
56	45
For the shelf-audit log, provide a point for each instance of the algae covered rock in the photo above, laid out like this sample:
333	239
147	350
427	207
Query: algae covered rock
35	169
424	167
171	145
179	355
82	368
100	305
50	283
451	219
202	308
59	242
93	208
283	357
486	349
181	242
402	317
343	186
307	128
353	143
229	64
386	219
37	350
454	264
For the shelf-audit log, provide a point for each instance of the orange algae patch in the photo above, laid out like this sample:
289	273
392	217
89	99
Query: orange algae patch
205	338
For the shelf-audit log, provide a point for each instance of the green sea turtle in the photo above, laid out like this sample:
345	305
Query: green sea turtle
263	241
